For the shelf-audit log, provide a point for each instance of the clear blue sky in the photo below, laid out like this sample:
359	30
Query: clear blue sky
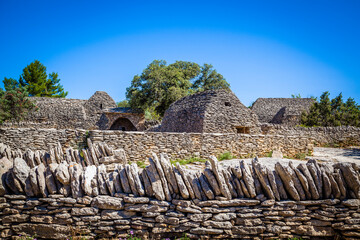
263	48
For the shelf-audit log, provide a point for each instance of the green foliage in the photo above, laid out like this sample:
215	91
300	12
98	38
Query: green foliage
225	156
187	161
330	113
36	82
123	103
296	95
160	84
25	237
269	154
14	103
141	164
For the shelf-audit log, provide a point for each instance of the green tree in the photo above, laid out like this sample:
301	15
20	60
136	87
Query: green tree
296	95
37	83
14	102
160	84
123	103
334	112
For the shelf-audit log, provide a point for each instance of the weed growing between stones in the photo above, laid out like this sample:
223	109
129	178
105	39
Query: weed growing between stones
21	237
269	154
225	156
187	161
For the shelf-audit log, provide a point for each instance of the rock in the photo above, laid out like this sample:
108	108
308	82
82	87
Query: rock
326	184
116	178
21	170
340	182
155	182
50	181
62	173
124	179
40	174
110	179
287	180
169	172
205	186
5	166
248	179
34	182
312	187
13	183
91	152
89	181
248	230
87	159
244	189
120	155
194	184
276	154
229	183
224	216
200	217
238	187
138	184
147	184
106	202
181	184
131	180
146	208
261	173
237	171
304	182
351	177
184	174
334	186
279	184
86	211
217	170
101	177
156	164
296	182
113	215
316	174
314	231
206	231
42	230
212	181
29	158
75	170
221	225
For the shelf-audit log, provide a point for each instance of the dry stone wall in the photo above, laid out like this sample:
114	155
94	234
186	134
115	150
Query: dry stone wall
138	145
323	136
60	193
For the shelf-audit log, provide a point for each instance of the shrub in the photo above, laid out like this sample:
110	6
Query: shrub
225	156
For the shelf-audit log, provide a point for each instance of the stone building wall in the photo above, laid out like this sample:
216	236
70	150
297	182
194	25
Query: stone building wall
211	111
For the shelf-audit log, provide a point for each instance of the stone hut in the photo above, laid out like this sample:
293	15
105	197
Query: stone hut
213	111
98	112
123	118
286	111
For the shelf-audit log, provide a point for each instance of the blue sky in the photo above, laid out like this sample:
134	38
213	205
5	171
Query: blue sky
262	48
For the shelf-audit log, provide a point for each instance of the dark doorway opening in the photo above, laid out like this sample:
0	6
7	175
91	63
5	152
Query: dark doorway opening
244	130
123	124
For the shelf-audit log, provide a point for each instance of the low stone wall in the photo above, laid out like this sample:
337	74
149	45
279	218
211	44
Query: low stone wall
323	136
58	217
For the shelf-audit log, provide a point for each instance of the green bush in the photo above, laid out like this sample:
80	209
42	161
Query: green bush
225	156
187	161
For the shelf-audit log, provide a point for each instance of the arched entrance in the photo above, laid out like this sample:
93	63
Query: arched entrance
123	124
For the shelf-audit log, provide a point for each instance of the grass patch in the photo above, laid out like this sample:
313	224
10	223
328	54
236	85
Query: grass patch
269	154
187	161
141	164
225	156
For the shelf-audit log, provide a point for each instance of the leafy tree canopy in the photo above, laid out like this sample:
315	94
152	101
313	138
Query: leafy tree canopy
37	82
160	84
332	112
14	101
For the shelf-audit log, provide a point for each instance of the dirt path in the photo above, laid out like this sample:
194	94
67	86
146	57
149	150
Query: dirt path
336	154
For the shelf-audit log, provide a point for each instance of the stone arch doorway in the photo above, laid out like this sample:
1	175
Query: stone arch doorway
123	124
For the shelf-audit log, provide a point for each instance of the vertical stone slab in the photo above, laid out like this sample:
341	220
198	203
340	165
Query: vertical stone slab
186	181
168	171
312	187
102	179
161	173
217	170
248	179
75	170
155	182
212	181
40	174
89	181
147	184
184	192
138	184
205	186
262	176
124	179
287	180
131	180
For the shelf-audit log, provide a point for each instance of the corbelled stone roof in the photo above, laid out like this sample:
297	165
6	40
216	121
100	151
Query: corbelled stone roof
280	110
213	111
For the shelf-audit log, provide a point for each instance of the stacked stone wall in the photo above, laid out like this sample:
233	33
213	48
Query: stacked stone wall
323	136
138	145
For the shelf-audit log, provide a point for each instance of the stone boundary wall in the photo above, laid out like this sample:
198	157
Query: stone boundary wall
59	217
139	145
323	136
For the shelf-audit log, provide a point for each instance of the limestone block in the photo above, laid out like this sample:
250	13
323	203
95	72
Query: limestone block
76	170
106	202
217	170
124	179
248	179
89	181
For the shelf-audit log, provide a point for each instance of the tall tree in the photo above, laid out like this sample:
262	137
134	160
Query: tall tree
160	84
334	112
37	83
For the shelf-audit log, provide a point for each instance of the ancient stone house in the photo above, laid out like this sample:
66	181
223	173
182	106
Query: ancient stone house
213	111
98	112
286	111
